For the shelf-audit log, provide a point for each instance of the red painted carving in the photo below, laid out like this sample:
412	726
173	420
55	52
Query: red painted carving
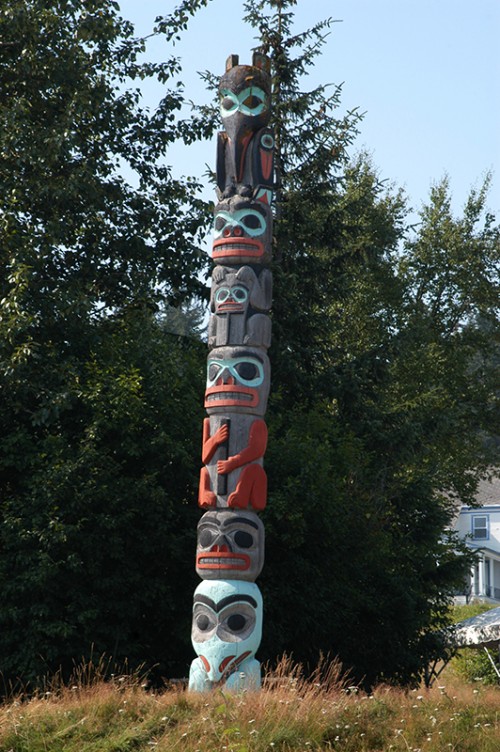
251	489
251	485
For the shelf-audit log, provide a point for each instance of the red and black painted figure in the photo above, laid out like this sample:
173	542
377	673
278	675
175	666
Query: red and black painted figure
245	151
233	451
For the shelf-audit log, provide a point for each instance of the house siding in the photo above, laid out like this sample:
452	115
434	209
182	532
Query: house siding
480	527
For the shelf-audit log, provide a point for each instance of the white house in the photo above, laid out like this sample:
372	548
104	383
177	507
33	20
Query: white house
480	526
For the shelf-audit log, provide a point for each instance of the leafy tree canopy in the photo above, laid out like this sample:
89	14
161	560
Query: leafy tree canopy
99	397
385	362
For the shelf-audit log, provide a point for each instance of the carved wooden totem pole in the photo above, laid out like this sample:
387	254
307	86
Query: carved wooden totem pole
227	611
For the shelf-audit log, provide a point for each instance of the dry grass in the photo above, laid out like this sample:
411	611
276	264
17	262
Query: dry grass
289	714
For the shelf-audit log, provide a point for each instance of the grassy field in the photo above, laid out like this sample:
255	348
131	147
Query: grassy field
289	714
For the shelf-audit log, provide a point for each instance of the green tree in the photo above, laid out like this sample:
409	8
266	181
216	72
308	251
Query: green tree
378	405
99	401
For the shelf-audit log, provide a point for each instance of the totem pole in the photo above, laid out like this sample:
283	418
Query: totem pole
227	611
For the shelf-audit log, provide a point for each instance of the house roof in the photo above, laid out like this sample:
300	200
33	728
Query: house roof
488	492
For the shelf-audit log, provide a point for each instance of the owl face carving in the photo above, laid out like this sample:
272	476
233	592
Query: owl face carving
227	625
244	96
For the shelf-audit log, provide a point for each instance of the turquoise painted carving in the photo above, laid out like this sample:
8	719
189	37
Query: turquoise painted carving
252	101
226	634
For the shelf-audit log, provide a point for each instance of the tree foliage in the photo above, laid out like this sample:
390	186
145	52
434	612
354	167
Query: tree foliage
385	362
99	401
383	347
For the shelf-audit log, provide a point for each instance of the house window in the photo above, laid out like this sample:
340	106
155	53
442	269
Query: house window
480	527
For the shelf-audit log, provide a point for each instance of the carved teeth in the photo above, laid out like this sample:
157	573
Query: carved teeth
220	396
215	561
239	246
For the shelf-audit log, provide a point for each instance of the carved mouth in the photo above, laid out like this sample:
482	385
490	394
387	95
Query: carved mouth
223	561
224	666
225	396
244	247
230	307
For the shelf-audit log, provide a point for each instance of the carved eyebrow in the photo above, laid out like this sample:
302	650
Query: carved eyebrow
250	354
206	600
207	523
240	521
225	601
236	599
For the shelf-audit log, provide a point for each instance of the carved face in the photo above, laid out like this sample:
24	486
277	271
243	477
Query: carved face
244	99
238	379
230	295
227	625
230	545
242	231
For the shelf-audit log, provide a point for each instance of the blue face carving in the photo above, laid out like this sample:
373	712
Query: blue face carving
231	298
240	223
227	625
247	371
242	231
238	379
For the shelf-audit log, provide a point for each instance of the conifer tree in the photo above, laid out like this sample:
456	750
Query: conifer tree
365	458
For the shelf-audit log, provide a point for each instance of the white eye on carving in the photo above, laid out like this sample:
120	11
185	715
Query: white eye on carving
207	536
229	104
204	623
236	622
246	371
253	223
237	536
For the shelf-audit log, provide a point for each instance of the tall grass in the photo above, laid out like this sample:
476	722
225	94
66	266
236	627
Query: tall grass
290	713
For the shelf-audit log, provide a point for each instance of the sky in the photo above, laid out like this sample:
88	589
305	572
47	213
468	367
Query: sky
426	73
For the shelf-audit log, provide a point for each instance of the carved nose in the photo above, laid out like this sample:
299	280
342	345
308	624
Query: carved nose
225	378
236	231
223	549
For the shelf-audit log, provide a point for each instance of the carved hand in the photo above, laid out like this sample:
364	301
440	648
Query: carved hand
225	466
222	434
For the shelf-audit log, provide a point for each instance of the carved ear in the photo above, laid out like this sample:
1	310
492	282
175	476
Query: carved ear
232	62
261	61
247	275
266	283
219	274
